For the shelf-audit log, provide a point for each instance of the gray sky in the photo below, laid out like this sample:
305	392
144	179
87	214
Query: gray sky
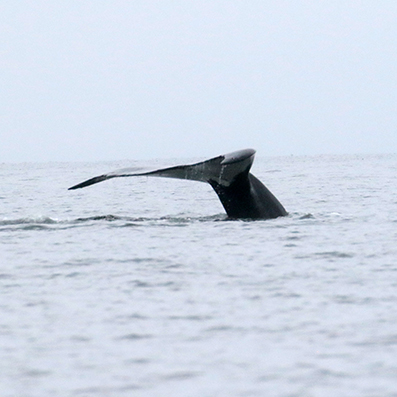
135	79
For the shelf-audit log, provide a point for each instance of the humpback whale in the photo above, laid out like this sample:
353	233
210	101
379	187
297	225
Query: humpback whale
242	195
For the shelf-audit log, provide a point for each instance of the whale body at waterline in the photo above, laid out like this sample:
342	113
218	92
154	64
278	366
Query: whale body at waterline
242	195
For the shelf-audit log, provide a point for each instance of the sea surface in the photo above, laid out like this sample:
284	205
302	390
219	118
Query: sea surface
142	286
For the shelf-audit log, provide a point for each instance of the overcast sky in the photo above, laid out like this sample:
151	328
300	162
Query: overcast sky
135	79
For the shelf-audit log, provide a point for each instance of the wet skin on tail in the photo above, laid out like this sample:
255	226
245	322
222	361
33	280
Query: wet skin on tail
242	195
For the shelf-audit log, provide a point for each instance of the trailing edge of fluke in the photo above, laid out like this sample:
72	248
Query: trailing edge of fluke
242	195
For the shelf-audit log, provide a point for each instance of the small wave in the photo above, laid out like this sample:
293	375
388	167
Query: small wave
134	336
28	224
108	218
34	227
334	254
48	223
28	221
164	220
307	216
274	171
329	255
184	220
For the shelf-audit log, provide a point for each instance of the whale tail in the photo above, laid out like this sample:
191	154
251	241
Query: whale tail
241	194
221	169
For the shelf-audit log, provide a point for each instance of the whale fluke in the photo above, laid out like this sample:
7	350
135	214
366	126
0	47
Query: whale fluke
241	193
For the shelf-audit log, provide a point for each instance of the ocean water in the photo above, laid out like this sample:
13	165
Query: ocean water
142	287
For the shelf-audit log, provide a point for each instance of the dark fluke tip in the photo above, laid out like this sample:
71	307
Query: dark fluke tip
89	182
